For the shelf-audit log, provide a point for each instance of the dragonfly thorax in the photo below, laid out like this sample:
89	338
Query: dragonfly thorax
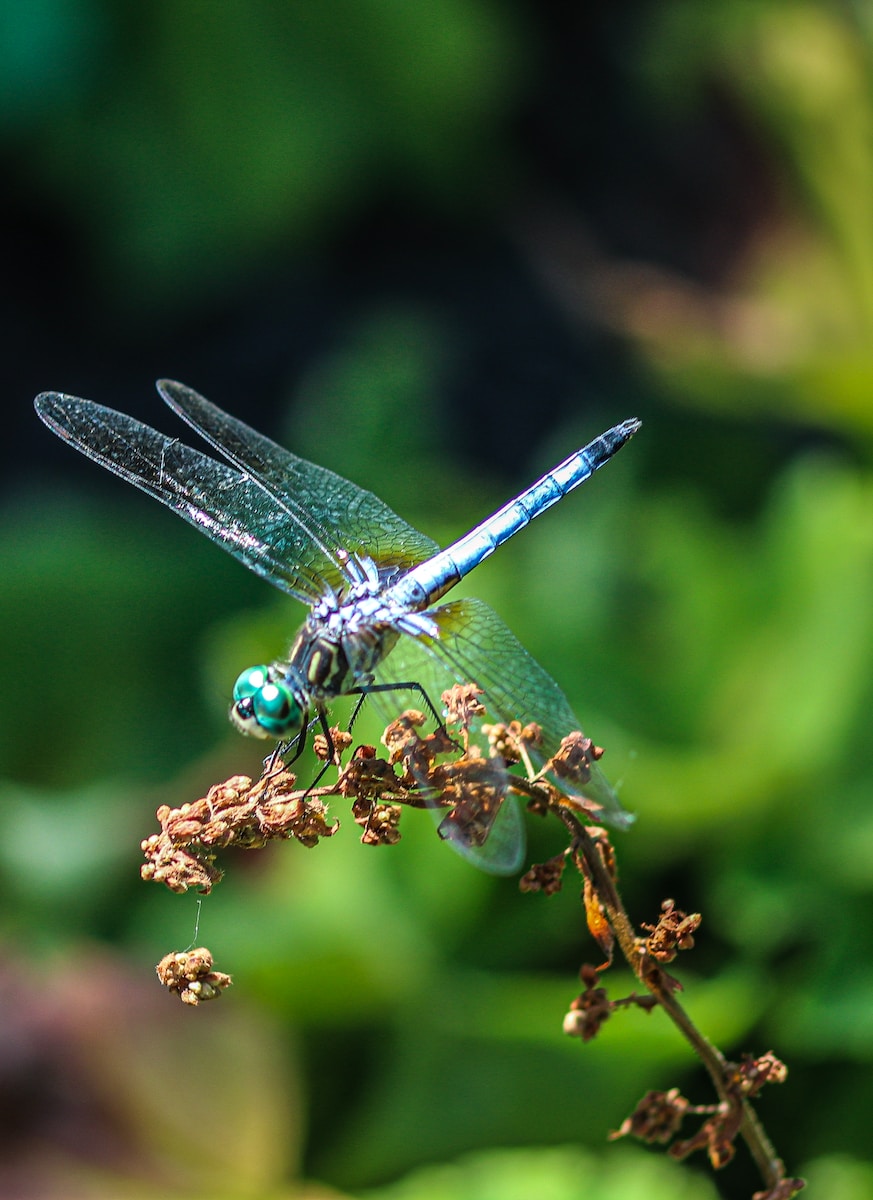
334	653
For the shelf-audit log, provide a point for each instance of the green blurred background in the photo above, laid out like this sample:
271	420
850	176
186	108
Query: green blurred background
435	247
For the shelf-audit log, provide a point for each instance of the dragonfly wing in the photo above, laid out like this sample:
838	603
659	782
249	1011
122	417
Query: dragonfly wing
503	852
331	513
481	647
231	508
413	660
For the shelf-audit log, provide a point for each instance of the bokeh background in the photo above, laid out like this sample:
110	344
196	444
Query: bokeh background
435	247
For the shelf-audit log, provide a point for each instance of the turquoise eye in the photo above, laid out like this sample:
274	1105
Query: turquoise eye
264	705
250	683
276	710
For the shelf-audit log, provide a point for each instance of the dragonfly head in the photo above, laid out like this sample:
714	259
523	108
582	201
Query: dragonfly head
264	704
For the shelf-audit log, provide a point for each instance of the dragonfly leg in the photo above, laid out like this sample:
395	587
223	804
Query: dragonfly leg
358	706
282	748
362	693
273	757
370	688
331	752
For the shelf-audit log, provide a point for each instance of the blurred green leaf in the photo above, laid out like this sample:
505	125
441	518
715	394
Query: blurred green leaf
559	1174
788	333
840	1178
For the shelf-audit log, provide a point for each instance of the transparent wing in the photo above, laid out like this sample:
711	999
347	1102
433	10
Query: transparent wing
479	647
255	518
503	852
229	507
332	517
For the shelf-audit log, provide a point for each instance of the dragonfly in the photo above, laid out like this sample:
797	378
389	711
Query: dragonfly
373	584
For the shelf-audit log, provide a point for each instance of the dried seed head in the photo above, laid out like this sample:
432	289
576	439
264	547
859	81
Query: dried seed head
190	975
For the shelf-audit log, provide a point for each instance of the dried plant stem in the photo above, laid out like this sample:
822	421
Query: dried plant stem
657	982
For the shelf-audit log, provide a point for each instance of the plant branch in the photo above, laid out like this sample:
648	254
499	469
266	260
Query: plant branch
653	977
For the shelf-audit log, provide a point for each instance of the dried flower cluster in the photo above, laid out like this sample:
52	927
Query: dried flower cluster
674	932
190	975
238	812
448	770
659	1116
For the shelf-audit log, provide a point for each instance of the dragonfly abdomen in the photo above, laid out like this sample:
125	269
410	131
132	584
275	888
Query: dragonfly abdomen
431	579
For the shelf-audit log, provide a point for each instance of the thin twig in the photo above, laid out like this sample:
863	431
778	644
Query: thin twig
652	976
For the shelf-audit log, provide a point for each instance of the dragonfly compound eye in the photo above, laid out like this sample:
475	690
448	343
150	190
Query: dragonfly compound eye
264	706
250	682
